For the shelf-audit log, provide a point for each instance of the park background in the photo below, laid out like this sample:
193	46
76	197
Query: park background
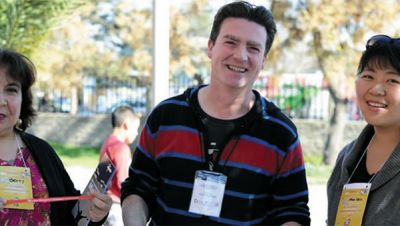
93	55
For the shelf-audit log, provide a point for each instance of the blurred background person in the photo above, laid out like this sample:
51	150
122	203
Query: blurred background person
125	124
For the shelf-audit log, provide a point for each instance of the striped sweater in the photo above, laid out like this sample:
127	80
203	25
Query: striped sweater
266	176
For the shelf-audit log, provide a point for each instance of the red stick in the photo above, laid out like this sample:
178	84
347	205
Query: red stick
52	199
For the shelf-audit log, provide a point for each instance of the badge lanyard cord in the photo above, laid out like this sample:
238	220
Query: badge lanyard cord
358	163
20	150
213	162
231	151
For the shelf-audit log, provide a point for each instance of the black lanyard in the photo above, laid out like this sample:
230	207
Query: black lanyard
212	156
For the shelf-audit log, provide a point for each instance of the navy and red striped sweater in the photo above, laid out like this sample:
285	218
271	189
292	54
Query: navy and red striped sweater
266	176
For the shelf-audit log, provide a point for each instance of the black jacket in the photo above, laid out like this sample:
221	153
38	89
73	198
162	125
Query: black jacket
56	178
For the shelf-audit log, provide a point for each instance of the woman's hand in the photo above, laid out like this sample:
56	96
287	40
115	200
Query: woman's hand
99	206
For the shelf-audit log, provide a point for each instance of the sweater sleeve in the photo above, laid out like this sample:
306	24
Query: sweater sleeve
290	191
143	171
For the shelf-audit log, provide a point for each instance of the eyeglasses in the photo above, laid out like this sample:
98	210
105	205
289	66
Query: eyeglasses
374	40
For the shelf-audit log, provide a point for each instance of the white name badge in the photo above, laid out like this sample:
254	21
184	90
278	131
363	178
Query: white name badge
208	192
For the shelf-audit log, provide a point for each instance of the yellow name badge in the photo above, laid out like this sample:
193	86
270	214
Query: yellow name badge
16	183
352	204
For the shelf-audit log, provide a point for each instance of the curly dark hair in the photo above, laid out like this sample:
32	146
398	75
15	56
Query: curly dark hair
20	68
245	10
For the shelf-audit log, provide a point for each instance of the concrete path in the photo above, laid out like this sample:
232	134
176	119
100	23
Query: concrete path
318	201
80	176
318	204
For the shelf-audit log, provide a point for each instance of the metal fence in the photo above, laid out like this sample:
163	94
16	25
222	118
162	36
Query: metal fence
298	96
304	98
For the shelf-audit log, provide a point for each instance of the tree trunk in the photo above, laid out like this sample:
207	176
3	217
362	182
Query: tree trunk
334	140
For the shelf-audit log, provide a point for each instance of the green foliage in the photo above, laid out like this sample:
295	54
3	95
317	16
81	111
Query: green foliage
295	96
87	157
317	172
73	151
24	24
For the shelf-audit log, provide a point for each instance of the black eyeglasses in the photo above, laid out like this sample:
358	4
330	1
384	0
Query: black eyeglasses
374	40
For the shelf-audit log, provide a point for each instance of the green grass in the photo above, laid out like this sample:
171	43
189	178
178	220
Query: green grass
87	157
317	172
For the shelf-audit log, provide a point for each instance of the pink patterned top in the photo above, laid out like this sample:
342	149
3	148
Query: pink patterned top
40	215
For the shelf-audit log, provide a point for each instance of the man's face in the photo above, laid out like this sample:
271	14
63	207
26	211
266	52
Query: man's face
237	56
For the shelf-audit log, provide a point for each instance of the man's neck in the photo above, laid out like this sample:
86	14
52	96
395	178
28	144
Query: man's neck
225	104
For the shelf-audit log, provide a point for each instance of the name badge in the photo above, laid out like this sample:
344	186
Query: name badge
208	192
352	204
16	183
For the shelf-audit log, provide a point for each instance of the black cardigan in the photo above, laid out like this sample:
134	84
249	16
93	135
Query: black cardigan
56	178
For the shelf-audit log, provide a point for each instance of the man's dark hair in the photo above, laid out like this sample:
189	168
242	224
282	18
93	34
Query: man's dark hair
120	114
245	10
21	69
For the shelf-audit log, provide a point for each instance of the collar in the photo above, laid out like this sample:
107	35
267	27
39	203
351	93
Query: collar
258	110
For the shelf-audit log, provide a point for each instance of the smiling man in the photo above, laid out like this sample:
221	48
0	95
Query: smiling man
221	153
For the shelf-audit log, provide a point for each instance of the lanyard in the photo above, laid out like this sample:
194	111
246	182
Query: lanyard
358	163
19	150
212	156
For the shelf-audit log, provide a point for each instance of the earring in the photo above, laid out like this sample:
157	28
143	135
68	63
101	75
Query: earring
18	125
